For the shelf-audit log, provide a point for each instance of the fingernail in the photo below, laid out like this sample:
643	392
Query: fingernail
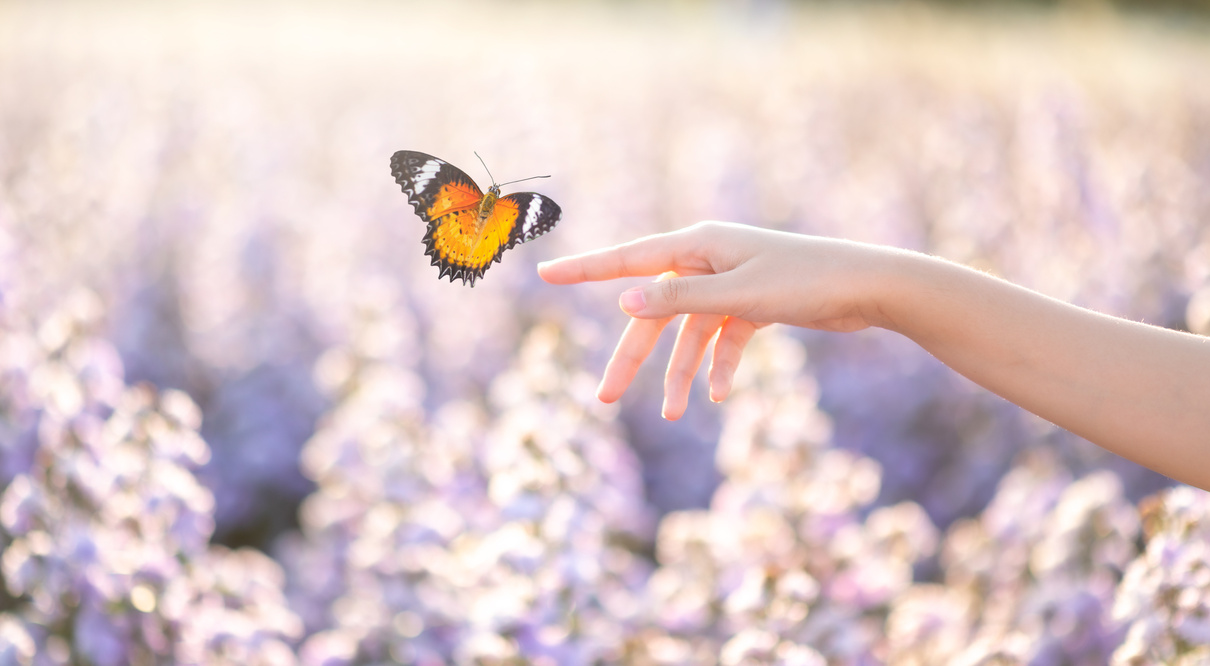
632	301
719	390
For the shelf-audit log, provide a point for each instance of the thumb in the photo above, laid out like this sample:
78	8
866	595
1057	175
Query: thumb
671	295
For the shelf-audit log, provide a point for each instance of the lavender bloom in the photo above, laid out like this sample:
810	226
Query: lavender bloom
1164	596
783	557
106	554
1032	580
464	539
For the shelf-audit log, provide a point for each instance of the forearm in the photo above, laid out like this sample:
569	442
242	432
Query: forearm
1140	391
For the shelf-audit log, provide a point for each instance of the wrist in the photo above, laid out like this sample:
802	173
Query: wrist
898	287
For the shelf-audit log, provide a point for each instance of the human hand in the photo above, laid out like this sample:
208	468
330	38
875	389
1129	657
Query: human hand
1138	390
728	280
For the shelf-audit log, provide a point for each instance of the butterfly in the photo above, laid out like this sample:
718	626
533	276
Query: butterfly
467	229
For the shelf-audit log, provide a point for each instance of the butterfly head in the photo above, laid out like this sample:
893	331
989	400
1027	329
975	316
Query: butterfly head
495	188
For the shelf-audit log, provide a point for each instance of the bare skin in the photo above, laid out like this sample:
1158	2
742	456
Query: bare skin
1140	391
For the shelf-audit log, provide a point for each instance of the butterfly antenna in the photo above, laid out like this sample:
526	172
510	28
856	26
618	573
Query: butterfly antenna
489	171
522	179
489	174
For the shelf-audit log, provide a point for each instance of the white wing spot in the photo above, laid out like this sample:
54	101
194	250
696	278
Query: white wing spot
424	174
531	217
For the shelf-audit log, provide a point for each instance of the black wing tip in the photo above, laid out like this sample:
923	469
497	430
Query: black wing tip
402	156
467	274
399	164
404	161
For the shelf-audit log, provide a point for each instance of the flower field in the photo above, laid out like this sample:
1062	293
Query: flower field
243	422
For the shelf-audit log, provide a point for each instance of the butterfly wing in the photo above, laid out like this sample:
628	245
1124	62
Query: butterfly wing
515	219
460	250
536	215
434	187
448	201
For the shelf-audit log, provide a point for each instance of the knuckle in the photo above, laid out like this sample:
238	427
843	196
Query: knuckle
696	335
679	376
673	290
725	359
629	363
743	310
621	262
699	329
726	345
722	368
706	228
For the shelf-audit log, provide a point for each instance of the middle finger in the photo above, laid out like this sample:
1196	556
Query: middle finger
634	346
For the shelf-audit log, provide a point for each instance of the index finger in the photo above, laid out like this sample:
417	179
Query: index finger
650	255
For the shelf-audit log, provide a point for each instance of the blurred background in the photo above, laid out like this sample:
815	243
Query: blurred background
196	210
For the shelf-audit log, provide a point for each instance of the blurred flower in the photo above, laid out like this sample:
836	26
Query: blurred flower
106	532
783	556
1164	596
467	539
1040	590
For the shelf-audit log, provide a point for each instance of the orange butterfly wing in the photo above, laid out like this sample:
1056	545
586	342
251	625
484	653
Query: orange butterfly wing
457	240
451	197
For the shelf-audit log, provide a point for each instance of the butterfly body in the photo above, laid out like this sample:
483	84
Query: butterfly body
468	230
